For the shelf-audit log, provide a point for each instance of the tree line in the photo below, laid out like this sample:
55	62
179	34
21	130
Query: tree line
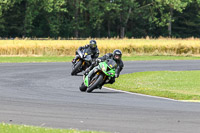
99	18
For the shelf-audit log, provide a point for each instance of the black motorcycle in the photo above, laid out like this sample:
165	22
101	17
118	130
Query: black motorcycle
82	63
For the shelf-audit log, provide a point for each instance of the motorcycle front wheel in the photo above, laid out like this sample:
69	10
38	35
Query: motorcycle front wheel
95	83
75	69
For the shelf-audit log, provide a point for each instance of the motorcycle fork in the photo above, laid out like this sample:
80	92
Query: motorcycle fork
104	78
83	63
76	62
91	82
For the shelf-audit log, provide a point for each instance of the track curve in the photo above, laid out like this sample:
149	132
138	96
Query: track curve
45	94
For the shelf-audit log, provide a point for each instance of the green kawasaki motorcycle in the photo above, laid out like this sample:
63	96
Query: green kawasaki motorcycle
99	75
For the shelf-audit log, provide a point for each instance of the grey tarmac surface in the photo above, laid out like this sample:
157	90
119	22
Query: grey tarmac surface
45	94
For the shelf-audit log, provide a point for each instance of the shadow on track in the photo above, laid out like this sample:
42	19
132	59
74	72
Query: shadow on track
107	92
78	75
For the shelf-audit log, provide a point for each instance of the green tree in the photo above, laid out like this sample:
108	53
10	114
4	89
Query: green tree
2	21
187	24
96	14
127	7
163	11
111	12
76	10
54	10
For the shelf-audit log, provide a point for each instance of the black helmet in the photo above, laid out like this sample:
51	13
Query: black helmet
93	44
117	54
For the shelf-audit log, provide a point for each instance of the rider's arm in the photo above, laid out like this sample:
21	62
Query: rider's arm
96	55
105	57
117	72
119	69
82	47
121	65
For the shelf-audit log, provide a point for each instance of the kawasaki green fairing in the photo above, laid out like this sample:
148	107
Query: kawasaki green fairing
107	67
86	81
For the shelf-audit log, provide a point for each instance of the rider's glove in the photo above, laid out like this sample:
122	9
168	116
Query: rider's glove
98	60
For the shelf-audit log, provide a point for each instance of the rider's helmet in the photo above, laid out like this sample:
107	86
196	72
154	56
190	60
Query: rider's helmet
93	44
117	54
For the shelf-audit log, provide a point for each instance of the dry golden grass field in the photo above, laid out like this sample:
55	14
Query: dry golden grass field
162	46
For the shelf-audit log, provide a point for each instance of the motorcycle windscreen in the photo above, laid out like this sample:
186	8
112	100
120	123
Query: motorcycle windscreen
111	63
87	51
80	53
88	58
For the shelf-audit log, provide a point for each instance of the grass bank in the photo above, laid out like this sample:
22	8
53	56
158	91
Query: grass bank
8	128
18	59
179	85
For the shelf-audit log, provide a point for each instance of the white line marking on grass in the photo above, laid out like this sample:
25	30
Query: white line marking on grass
132	93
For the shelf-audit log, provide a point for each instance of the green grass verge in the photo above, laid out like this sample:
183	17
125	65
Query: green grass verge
179	85
4	59
8	128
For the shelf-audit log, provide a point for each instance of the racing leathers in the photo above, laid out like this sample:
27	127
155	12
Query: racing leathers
94	52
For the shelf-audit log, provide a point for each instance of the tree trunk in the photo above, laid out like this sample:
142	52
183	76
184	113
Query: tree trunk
98	33
76	18
109	28
122	32
25	21
76	33
123	24
170	22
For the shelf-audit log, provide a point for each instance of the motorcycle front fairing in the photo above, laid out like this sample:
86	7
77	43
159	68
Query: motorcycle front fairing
80	53
108	67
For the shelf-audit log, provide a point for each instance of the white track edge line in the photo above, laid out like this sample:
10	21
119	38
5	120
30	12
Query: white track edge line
144	95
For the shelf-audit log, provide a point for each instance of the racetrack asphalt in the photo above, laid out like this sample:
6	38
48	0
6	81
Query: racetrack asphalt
45	94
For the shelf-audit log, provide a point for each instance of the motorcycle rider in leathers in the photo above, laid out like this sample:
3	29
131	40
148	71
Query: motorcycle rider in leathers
91	47
116	56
